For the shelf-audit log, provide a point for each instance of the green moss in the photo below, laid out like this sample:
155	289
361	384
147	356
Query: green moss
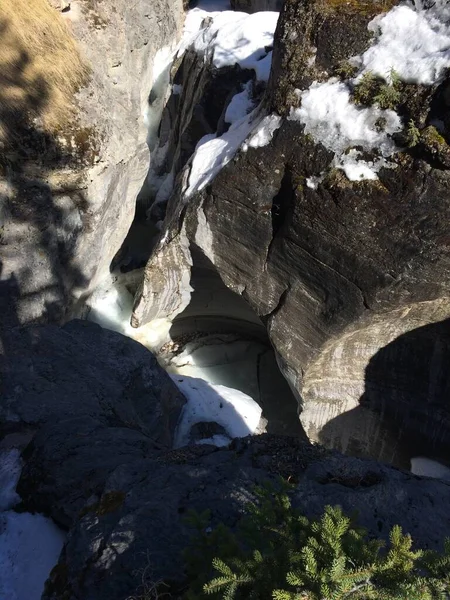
372	89
345	70
366	89
431	137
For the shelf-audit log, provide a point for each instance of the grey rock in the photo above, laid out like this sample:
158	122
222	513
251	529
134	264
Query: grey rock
95	165
139	521
67	465
351	279
50	373
252	6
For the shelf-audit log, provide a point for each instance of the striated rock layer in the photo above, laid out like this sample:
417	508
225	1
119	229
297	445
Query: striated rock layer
351	278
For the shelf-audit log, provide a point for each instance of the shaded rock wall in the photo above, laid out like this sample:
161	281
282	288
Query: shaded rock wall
252	6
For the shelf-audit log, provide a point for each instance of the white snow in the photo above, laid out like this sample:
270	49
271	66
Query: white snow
236	412
412	41
29	544
334	120
216	440
357	169
234	38
29	548
231	37
313	181
263	133
213	153
415	43
241	104
421	465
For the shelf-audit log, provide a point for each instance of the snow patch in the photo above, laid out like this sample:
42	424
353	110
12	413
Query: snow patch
332	119
10	469
412	41
216	440
29	544
232	37
236	412
313	181
263	133
415	43
421	465
357	169
241	104
213	153
29	548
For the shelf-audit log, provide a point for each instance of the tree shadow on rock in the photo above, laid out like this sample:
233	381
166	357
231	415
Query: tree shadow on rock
41	197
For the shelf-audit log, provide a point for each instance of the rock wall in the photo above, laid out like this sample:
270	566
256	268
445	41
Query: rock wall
350	277
69	191
252	6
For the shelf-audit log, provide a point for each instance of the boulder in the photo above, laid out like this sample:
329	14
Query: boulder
135	533
51	373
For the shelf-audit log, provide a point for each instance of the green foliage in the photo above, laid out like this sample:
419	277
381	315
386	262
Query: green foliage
373	90
412	134
366	89
345	70
276	553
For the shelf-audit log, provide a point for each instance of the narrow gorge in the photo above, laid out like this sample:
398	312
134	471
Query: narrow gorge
224	257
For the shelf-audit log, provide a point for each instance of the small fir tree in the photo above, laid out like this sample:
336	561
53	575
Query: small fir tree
278	554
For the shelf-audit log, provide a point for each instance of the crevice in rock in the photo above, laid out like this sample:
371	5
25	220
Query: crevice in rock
282	208
219	338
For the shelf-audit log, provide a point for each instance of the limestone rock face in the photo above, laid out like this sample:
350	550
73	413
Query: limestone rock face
351	278
68	192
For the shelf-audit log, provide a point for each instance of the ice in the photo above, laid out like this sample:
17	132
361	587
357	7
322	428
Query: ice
236	412
421	465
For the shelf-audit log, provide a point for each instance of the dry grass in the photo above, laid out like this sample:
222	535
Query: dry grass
40	65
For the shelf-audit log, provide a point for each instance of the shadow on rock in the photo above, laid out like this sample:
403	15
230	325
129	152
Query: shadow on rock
405	409
41	195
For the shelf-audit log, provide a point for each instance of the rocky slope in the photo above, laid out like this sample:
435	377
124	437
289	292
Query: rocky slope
349	273
69	187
